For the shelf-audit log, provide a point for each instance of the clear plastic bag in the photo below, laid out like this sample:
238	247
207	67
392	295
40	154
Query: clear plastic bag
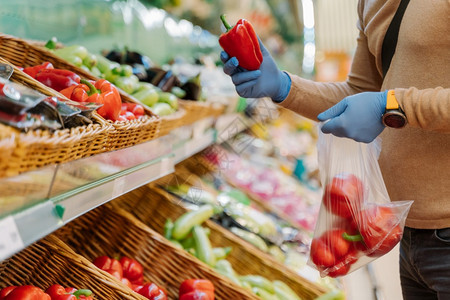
357	222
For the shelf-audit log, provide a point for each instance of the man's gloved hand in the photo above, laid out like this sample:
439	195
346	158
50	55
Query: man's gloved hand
357	117
268	81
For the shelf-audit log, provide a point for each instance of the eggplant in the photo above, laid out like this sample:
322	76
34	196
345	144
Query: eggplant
115	55
133	57
140	72
192	88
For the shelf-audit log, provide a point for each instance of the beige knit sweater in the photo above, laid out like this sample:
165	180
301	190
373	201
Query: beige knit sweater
415	160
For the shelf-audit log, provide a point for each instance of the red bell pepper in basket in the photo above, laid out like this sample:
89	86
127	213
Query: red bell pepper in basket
151	291
57	79
58	292
26	292
32	71
5	291
102	92
196	289
241	41
132	270
196	295
106	263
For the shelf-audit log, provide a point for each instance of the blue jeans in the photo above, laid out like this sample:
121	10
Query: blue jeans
425	264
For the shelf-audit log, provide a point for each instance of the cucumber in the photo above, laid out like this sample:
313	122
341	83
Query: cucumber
221	253
176	244
203	246
259	281
265	295
232	277
225	266
184	224
283	291
251	238
168	227
74	50
277	253
333	295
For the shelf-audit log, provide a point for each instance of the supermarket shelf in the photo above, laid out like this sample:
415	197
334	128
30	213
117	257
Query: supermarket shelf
80	201
228	126
53	196
194	146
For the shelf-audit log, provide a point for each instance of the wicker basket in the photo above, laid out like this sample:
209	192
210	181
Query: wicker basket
170	122
123	134
195	111
217	109
50	261
115	232
7	144
245	258
38	148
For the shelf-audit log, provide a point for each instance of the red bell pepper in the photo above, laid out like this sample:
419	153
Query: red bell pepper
344	195
196	295
192	285
5	291
344	263
26	292
68	91
138	281
57	79
242	42
115	273
380	229
118	275
132	269
127	282
136	109
126	115
103	92
106	263
321	254
32	71
58	292
151	291
335	250
79	93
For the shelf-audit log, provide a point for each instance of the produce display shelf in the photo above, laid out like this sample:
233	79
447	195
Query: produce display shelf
193	146
40	201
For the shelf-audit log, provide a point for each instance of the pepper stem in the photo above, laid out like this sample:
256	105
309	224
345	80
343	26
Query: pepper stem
352	238
51	43
92	89
225	23
82	292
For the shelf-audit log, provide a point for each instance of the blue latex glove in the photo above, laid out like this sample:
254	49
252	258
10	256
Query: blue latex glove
357	117
268	81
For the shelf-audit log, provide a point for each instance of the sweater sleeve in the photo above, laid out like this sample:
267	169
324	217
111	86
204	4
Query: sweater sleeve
309	98
428	109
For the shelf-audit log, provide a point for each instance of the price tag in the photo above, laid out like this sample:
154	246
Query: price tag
10	240
119	187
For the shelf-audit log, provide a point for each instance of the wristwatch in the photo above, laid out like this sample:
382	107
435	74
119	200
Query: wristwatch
393	116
